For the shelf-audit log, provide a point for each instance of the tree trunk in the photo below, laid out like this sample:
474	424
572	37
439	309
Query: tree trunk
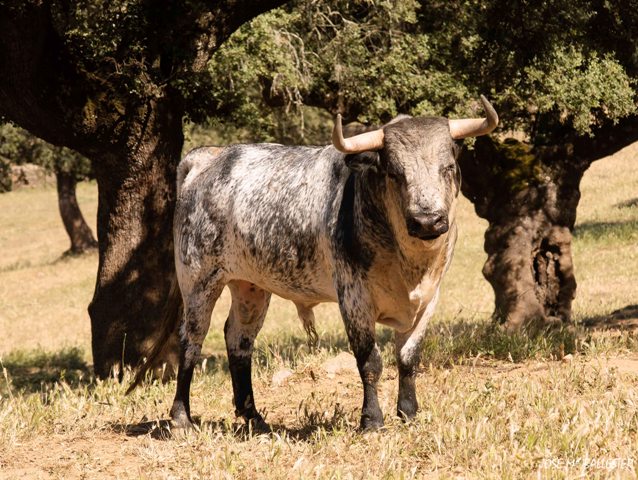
529	197
531	209
79	232
135	218
528	241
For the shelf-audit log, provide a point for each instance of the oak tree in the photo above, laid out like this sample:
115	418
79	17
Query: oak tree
113	81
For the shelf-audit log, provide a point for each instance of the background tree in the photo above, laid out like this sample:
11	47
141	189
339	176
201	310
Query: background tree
562	83
559	76
18	146
113	80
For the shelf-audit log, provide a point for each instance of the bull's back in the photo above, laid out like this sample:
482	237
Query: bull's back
265	213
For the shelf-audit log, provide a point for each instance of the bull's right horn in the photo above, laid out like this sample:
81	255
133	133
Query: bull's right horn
363	142
474	127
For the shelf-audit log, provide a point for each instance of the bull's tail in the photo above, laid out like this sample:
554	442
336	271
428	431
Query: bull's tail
307	317
182	170
203	154
171	317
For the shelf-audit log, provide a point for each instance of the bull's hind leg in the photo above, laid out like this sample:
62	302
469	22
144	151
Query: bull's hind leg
199	299
246	317
359	319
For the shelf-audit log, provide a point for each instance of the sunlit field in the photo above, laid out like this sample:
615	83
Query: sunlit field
564	406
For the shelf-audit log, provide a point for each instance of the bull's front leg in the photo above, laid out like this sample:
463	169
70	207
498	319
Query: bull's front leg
407	363
359	319
408	349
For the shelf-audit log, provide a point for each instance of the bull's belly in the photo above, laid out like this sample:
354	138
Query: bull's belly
304	287
303	294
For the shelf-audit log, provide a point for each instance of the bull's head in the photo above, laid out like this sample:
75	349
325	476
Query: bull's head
419	155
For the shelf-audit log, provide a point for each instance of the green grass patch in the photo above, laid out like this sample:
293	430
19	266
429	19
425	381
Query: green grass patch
453	343
28	371
624	232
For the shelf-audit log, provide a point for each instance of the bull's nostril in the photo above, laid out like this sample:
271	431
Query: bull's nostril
428	226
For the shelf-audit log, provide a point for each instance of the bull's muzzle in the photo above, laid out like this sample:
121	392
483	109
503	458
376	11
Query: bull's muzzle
428	226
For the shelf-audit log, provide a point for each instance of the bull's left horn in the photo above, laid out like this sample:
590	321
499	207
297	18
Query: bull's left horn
359	143
474	127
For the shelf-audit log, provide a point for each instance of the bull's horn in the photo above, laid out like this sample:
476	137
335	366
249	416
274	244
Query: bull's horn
474	127
359	143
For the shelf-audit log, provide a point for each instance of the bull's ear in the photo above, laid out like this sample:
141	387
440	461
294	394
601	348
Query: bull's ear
358	162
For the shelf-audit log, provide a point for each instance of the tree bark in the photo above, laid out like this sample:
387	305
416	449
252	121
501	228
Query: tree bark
136	267
79	232
529	196
531	211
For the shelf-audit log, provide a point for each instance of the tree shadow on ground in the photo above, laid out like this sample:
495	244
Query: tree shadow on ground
30	371
631	203
601	230
625	318
454	343
63	258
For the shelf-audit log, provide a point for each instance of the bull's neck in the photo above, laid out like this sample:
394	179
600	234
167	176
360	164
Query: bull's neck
371	218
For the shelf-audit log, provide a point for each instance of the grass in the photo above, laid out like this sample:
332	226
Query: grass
564	405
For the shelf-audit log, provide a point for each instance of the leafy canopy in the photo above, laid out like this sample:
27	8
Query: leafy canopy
17	146
547	66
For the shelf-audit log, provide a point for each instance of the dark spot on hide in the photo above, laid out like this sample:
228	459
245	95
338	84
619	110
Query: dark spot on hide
225	169
347	242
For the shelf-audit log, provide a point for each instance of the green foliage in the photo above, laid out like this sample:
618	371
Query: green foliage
17	146
582	89
130	52
517	166
547	66
364	59
117	43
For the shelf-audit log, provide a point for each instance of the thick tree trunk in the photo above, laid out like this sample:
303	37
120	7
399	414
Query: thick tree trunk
136	201
79	232
529	197
531	209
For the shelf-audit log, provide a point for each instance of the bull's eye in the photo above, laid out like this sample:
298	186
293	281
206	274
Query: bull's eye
449	168
394	172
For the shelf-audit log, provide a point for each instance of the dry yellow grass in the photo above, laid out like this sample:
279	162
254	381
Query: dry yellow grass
43	298
479	418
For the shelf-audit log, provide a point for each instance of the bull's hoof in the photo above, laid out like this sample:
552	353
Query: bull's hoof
180	420
258	425
370	424
182	424
406	411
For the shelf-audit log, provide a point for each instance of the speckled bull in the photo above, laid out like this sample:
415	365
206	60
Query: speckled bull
368	222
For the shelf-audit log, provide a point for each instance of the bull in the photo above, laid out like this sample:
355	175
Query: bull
367	222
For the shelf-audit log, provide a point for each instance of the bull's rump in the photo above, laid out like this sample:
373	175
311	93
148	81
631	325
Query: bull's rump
264	214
